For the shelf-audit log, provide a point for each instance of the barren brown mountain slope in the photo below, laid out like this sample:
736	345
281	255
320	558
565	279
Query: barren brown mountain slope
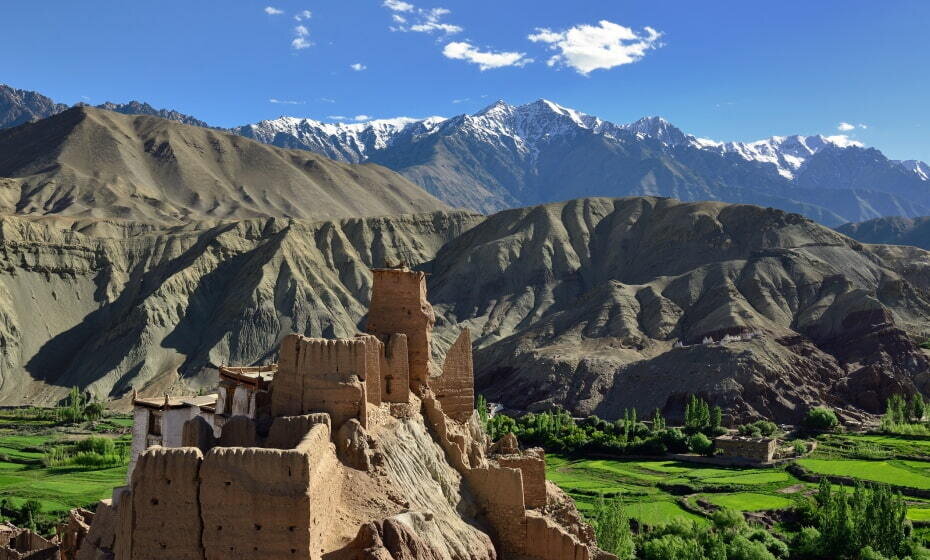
94	163
110	305
586	304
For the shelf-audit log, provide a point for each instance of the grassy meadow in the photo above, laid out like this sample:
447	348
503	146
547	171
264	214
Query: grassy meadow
654	492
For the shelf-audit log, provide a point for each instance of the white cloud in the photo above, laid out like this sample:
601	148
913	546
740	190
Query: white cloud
327	100
285	101
272	11
303	15
592	47
337	117
398	6
361	118
843	141
425	21
300	40
358	67
846	127
457	101
485	60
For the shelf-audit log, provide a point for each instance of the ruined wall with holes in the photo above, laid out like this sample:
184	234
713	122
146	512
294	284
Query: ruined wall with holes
399	305
395	376
532	464
322	375
455	388
165	511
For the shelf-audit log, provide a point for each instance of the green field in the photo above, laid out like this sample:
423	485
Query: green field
748	501
887	472
640	485
24	475
646	487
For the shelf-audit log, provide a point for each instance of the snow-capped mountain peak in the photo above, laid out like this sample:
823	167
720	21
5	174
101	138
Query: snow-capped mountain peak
523	127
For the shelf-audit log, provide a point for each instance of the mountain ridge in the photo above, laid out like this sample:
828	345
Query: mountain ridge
98	163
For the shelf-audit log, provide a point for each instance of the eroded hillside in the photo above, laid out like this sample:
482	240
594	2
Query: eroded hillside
111	305
606	304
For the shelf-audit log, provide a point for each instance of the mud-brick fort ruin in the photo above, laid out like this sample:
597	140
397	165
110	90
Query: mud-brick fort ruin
358	448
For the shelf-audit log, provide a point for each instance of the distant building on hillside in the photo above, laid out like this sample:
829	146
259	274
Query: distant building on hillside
759	450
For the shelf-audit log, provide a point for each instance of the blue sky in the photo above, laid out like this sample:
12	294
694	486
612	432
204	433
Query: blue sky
727	70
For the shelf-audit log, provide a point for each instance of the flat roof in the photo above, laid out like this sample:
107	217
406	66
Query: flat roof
202	401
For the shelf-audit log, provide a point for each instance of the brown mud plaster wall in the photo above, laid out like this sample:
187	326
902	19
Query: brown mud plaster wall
547	541
122	546
499	492
165	509
455	388
399	305
532	463
320	375
102	533
395	378
257	505
374	349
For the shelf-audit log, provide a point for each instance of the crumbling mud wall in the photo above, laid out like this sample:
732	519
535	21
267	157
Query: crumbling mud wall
165	509
101	535
455	388
287	432
532	464
395	377
547	541
499	492
374	349
321	375
399	305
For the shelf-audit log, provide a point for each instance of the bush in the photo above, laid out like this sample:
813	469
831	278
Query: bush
672	547
820	418
806	544
800	446
759	428
699	443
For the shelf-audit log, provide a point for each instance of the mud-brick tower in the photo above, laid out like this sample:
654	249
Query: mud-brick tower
399	305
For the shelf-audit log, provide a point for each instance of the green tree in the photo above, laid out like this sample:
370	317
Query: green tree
716	417
612	528
916	408
821	418
482	406
700	443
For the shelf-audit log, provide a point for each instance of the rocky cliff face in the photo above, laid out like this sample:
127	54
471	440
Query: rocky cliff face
109	305
604	304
